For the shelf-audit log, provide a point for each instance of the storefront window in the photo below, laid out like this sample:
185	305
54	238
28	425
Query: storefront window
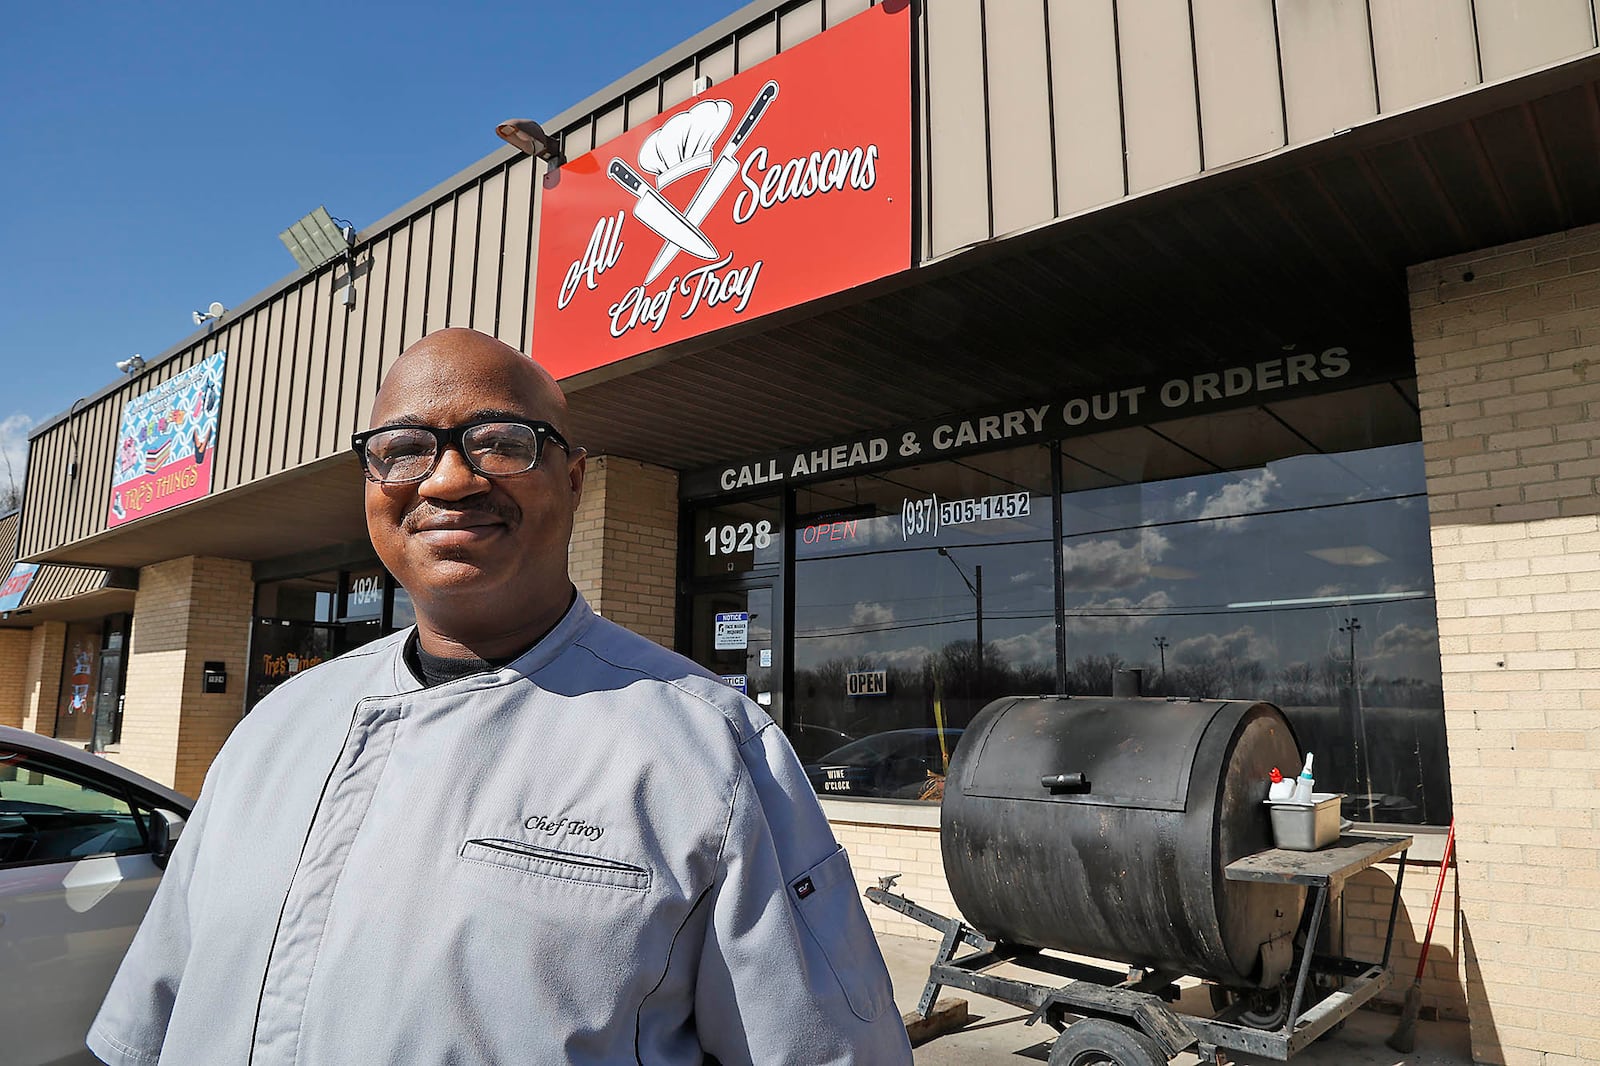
280	648
302	621
1278	552
920	595
80	670
312	598
1306	581
299	623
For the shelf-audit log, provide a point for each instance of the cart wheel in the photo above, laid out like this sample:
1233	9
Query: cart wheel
1098	1042
1265	1008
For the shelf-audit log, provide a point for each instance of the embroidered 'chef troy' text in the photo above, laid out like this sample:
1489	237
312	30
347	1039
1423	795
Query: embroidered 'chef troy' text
563	826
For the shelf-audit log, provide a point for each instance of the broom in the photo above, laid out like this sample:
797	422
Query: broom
1405	1034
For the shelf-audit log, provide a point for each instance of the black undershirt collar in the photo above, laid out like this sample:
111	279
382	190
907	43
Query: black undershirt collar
434	670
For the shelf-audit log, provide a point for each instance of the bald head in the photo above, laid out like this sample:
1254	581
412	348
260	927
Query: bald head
464	362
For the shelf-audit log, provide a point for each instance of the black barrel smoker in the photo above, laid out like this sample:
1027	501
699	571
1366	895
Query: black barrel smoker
1133	830
1102	827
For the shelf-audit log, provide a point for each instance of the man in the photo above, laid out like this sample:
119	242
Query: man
519	835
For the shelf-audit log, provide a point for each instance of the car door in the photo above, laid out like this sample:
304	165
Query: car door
76	877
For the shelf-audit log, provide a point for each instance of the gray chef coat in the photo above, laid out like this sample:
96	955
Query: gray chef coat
596	854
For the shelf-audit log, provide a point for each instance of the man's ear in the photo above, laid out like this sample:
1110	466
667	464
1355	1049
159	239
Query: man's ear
576	469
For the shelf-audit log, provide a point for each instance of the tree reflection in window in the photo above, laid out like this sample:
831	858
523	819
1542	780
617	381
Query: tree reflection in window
1260	584
1237	584
884	583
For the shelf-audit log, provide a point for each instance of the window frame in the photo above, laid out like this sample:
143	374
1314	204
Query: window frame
141	807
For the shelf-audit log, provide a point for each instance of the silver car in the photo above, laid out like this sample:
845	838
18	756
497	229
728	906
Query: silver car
82	846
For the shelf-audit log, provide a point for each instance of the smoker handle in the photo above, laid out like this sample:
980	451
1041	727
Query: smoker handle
1055	782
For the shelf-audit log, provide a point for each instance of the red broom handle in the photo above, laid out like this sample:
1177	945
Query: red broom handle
1438	890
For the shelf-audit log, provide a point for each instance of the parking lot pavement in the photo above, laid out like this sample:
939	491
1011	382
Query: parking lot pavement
996	1033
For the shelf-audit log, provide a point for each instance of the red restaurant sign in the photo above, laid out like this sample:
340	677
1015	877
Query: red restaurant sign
782	184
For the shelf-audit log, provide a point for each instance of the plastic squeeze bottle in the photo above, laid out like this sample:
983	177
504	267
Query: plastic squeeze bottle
1281	788
1305	782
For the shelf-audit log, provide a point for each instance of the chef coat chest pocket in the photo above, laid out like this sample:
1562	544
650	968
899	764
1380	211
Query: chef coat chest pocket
516	856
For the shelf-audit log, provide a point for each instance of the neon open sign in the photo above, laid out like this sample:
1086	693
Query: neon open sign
845	529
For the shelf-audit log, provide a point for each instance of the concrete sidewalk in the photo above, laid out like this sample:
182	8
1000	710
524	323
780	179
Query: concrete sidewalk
996	1033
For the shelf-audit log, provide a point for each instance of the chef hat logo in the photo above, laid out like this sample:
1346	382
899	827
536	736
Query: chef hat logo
686	142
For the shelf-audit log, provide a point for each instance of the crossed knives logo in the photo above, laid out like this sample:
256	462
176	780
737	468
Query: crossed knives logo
685	145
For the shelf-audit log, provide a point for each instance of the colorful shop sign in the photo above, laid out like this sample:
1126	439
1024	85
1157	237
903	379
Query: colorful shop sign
785	183
164	451
16	585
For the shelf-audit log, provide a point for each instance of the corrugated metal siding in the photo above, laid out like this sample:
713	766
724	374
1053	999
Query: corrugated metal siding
1019	90
302	370
53	583
1029	110
1237	66
1328	78
1143	93
8	542
1086	106
1423	50
1516	35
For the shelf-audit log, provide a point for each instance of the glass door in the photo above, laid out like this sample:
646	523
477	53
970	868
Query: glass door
108	691
75	705
731	634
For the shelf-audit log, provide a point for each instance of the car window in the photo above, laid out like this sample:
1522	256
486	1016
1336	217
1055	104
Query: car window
864	752
933	750
51	815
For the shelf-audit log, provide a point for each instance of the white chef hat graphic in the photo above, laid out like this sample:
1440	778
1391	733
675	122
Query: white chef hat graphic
686	142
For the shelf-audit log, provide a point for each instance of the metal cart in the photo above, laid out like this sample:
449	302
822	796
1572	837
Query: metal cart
1110	1018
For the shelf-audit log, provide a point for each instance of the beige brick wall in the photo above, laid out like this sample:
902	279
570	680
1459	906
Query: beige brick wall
624	554
877	849
43	684
1367	899
14	647
1508	362
188	611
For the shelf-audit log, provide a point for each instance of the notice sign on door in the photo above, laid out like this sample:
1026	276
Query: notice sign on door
867	683
733	631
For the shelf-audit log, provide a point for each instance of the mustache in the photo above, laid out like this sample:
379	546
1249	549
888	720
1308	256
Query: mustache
424	511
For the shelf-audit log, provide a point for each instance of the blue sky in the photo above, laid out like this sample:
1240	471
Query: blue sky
153	151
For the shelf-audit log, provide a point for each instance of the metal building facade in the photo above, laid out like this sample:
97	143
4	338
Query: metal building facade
1029	112
1103	189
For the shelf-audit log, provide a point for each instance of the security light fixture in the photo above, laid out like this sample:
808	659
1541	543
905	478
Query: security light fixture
215	311
318	238
530	137
132	365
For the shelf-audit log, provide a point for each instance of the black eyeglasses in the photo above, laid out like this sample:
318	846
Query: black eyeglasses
400	455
